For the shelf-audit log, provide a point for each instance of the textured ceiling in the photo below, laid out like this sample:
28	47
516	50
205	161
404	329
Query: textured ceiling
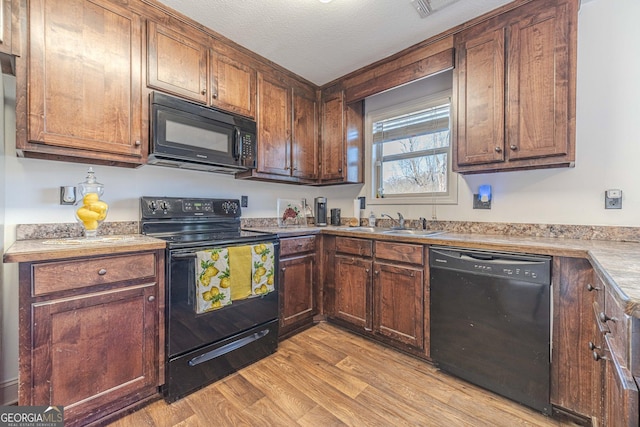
324	41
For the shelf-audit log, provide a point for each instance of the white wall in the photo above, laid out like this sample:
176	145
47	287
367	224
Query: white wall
608	125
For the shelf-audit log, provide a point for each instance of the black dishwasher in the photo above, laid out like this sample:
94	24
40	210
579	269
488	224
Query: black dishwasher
491	323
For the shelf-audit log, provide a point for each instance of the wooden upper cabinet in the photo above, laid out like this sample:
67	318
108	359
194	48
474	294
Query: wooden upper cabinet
185	62
233	85
177	63
514	88
84	82
304	144
333	134
274	126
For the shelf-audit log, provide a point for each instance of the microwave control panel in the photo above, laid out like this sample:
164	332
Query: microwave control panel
247	144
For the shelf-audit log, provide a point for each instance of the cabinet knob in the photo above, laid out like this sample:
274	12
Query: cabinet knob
513	147
592	346
204	92
376	272
283	269
366	269
102	271
498	149
137	143
590	288
215	95
604	318
152	298
340	170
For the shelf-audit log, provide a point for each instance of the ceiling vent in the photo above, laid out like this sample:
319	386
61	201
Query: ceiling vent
427	7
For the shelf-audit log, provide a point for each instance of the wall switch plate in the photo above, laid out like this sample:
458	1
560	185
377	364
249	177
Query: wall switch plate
244	201
478	204
613	199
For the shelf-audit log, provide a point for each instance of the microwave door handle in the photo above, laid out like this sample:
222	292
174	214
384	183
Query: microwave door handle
237	146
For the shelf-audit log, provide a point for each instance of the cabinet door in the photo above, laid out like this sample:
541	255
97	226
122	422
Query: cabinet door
353	290
297	301
274	126
398	303
233	85
538	82
621	395
176	63
480	97
304	147
576	380
332	146
84	79
92	350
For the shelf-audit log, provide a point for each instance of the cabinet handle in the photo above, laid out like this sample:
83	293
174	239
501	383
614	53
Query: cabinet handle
152	298
102	271
283	269
592	346
513	147
215	95
597	357
366	270
376	272
137	143
340	170
590	288
498	149
204	92
604	318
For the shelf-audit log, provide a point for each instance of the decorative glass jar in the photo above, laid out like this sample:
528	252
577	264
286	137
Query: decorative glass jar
91	211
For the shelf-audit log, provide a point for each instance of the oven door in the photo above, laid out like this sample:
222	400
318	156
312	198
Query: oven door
188	330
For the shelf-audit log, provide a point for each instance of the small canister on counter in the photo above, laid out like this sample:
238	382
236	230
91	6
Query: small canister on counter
335	216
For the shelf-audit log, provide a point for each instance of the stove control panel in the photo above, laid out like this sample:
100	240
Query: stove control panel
179	207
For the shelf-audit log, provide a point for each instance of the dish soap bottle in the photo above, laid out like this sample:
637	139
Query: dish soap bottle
372	219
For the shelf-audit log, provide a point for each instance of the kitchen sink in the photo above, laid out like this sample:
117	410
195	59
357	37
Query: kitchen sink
414	232
365	229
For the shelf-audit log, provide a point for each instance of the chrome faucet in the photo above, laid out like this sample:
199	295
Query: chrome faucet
399	221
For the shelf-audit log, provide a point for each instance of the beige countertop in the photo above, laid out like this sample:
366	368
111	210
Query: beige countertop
46	249
616	263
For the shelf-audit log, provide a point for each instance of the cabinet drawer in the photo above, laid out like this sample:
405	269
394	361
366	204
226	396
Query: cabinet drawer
297	245
359	247
402	252
67	275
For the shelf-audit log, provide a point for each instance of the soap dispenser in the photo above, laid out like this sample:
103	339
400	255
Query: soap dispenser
372	219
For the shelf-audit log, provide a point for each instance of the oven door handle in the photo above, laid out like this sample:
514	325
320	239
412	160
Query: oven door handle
227	348
184	256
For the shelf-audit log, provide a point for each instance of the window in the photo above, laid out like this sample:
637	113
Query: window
411	152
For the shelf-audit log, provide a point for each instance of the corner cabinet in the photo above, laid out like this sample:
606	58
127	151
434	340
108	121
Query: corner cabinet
91	333
81	85
514	90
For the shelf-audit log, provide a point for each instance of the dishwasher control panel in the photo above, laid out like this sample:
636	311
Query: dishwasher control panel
530	268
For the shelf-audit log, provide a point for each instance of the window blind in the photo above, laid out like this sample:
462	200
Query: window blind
430	120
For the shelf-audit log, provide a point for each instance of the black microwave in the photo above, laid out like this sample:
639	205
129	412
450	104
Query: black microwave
192	136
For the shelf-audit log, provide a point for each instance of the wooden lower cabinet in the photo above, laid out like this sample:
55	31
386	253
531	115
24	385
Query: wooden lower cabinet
94	349
398	304
379	289
353	290
620	393
298	284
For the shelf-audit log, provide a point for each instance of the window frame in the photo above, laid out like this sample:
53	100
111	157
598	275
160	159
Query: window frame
372	177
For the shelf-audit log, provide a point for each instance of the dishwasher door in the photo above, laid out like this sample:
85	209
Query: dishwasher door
490	321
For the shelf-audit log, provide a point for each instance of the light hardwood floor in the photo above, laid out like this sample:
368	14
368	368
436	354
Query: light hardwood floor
326	376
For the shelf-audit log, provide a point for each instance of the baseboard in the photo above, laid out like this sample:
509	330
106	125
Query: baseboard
9	392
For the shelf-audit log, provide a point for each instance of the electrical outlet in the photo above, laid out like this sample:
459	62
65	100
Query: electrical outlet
479	204
244	201
613	199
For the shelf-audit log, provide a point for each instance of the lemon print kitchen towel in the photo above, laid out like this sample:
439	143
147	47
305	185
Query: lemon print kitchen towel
213	284
262	271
